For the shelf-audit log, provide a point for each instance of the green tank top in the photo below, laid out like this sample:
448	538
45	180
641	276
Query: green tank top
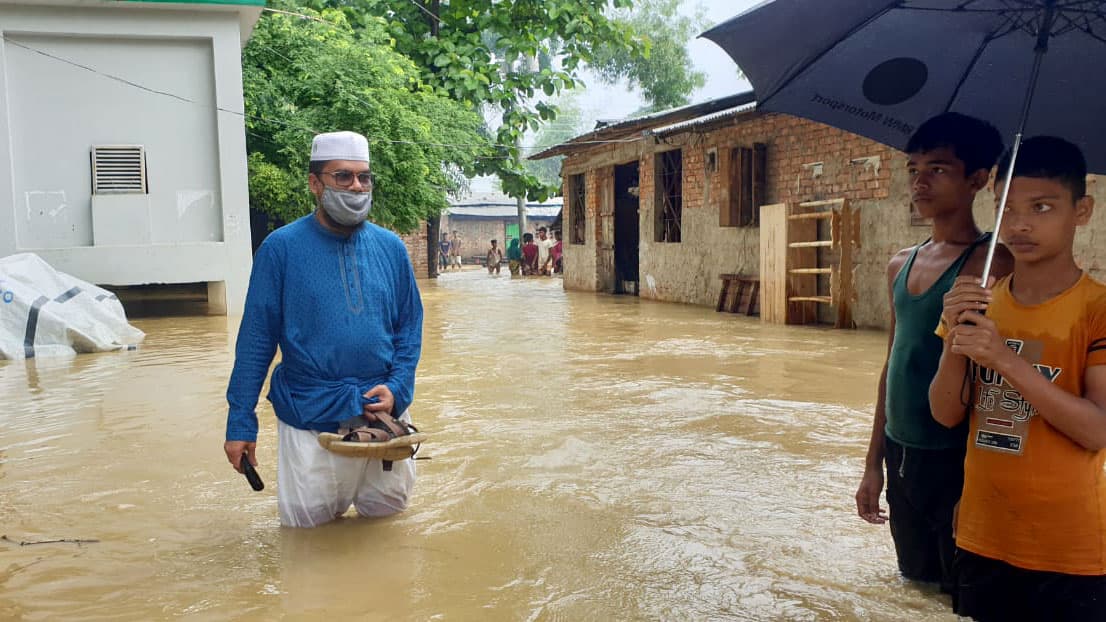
915	355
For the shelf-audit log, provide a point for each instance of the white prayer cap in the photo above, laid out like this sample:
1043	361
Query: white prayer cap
340	146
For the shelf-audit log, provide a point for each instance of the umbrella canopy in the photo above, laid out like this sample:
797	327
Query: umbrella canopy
879	68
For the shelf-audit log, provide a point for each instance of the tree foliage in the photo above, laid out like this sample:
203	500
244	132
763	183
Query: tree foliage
302	76
664	75
513	55
414	76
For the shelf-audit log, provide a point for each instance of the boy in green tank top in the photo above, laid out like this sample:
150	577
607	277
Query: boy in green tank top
950	160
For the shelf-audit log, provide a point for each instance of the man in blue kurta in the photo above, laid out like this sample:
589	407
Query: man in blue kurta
337	294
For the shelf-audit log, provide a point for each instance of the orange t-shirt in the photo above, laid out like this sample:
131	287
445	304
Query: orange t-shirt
1033	498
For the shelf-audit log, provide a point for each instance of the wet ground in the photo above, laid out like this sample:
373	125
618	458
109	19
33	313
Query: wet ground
593	458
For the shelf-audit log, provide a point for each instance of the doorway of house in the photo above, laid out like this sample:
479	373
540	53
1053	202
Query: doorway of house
626	229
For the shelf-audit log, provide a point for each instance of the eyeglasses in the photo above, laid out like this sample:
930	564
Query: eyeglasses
345	178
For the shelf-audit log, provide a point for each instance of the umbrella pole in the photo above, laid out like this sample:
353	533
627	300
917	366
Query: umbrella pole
1002	207
1038	56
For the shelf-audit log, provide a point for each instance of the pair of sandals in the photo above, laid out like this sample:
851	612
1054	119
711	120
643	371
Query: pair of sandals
386	439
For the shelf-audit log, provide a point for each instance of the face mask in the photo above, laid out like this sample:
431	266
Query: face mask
348	209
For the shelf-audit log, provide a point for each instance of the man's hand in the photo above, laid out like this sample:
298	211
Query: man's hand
966	295
384	404
235	449
977	338
867	497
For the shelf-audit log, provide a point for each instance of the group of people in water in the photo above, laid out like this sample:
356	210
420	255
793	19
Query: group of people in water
540	253
540	257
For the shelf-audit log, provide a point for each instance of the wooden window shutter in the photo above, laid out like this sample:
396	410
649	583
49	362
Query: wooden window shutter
748	181
741	187
577	198
759	181
728	206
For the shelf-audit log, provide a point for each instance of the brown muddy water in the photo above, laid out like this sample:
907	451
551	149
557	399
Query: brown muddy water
593	458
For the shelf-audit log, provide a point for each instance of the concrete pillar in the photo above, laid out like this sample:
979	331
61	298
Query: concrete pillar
217	298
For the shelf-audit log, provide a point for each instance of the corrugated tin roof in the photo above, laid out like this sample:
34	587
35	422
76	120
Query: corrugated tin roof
477	199
499	205
504	211
721	115
630	129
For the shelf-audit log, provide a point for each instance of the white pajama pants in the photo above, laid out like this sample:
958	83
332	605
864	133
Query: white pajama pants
316	486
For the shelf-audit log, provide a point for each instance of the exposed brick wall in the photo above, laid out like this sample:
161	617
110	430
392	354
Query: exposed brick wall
476	236
416	250
794	143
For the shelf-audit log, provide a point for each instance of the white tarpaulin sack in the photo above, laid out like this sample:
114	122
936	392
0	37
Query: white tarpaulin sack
44	312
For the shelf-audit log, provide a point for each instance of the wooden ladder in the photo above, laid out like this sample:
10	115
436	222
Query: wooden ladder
738	291
804	242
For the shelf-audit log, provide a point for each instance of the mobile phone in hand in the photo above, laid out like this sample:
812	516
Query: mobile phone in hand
251	474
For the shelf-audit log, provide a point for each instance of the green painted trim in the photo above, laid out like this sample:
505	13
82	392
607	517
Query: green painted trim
236	2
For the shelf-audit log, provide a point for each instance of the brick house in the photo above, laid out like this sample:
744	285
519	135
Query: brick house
662	205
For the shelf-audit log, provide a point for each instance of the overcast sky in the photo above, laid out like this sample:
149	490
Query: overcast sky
612	102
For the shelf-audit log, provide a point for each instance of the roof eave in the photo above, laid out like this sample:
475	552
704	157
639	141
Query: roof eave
622	132
707	122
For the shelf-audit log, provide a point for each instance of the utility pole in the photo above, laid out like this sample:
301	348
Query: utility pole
521	200
433	223
529	64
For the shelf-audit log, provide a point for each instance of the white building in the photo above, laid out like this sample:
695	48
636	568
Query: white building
122	140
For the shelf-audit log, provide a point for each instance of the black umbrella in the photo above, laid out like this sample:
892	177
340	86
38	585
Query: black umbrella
879	68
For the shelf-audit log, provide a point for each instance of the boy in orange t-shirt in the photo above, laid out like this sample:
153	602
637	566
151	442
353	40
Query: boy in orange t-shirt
1031	530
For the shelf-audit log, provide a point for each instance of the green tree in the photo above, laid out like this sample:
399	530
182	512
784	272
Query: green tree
571	122
512	55
664	75
302	76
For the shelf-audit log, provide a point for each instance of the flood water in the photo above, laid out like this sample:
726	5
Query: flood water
592	458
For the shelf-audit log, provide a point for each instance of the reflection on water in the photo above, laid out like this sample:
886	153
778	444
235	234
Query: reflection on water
593	458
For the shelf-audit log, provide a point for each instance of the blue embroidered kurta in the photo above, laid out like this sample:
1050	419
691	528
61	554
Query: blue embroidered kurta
347	316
